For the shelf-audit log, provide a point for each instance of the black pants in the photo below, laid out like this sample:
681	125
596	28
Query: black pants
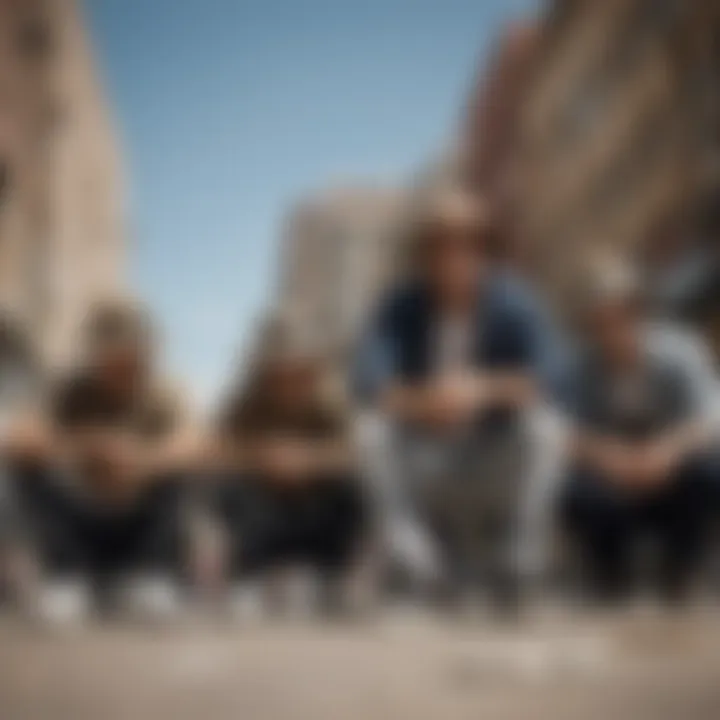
318	524
607	520
75	535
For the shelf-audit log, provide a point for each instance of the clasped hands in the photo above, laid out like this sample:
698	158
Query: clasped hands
641	465
451	400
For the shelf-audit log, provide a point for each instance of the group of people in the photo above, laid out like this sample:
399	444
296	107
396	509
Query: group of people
480	440
507	434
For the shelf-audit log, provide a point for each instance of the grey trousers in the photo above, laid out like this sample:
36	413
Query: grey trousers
471	503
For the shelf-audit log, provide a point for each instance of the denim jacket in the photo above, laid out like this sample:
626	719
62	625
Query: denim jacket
512	332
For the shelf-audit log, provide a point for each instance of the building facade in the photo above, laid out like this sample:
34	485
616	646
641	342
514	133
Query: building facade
620	131
61	200
491	127
339	250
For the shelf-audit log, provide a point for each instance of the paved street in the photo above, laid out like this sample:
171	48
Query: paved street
410	666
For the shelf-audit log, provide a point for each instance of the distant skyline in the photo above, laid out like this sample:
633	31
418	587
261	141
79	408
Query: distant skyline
229	111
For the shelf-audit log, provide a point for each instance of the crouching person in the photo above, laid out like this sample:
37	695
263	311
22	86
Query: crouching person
288	496
447	374
98	475
644	472
19	382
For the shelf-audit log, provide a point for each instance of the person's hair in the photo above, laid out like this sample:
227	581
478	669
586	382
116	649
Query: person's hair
282	339
434	218
118	324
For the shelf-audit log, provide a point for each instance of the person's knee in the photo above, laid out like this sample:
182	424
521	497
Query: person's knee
547	437
339	513
343	499
696	485
547	429
373	433
27	482
588	503
45	495
375	438
701	470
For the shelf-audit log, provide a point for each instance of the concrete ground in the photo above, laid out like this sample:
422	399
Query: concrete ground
401	665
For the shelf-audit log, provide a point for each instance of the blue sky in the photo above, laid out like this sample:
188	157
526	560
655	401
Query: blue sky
229	110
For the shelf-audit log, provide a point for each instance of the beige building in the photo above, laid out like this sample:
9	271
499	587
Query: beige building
619	130
339	249
61	200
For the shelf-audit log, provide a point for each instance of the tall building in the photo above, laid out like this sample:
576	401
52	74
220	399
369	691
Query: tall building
339	250
620	130
61	200
492	121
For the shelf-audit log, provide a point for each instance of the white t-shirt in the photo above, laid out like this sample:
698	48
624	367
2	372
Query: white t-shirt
453	344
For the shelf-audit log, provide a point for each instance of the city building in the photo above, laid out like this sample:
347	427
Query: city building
61	201
339	249
490	130
619	138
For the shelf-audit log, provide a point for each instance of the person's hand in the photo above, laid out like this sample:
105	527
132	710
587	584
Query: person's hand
620	463
123	453
114	461
639	466
440	409
286	461
468	392
656	463
27	437
453	400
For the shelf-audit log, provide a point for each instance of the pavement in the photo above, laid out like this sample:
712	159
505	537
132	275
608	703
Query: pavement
410	664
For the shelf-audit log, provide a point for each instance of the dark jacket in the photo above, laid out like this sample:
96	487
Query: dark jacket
512	333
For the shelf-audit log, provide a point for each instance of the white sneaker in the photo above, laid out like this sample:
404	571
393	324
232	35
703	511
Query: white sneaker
246	602
302	592
292	592
415	550
152	598
62	604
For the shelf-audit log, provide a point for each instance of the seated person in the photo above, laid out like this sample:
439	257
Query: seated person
19	382
96	473
448	371
289	495
643	468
